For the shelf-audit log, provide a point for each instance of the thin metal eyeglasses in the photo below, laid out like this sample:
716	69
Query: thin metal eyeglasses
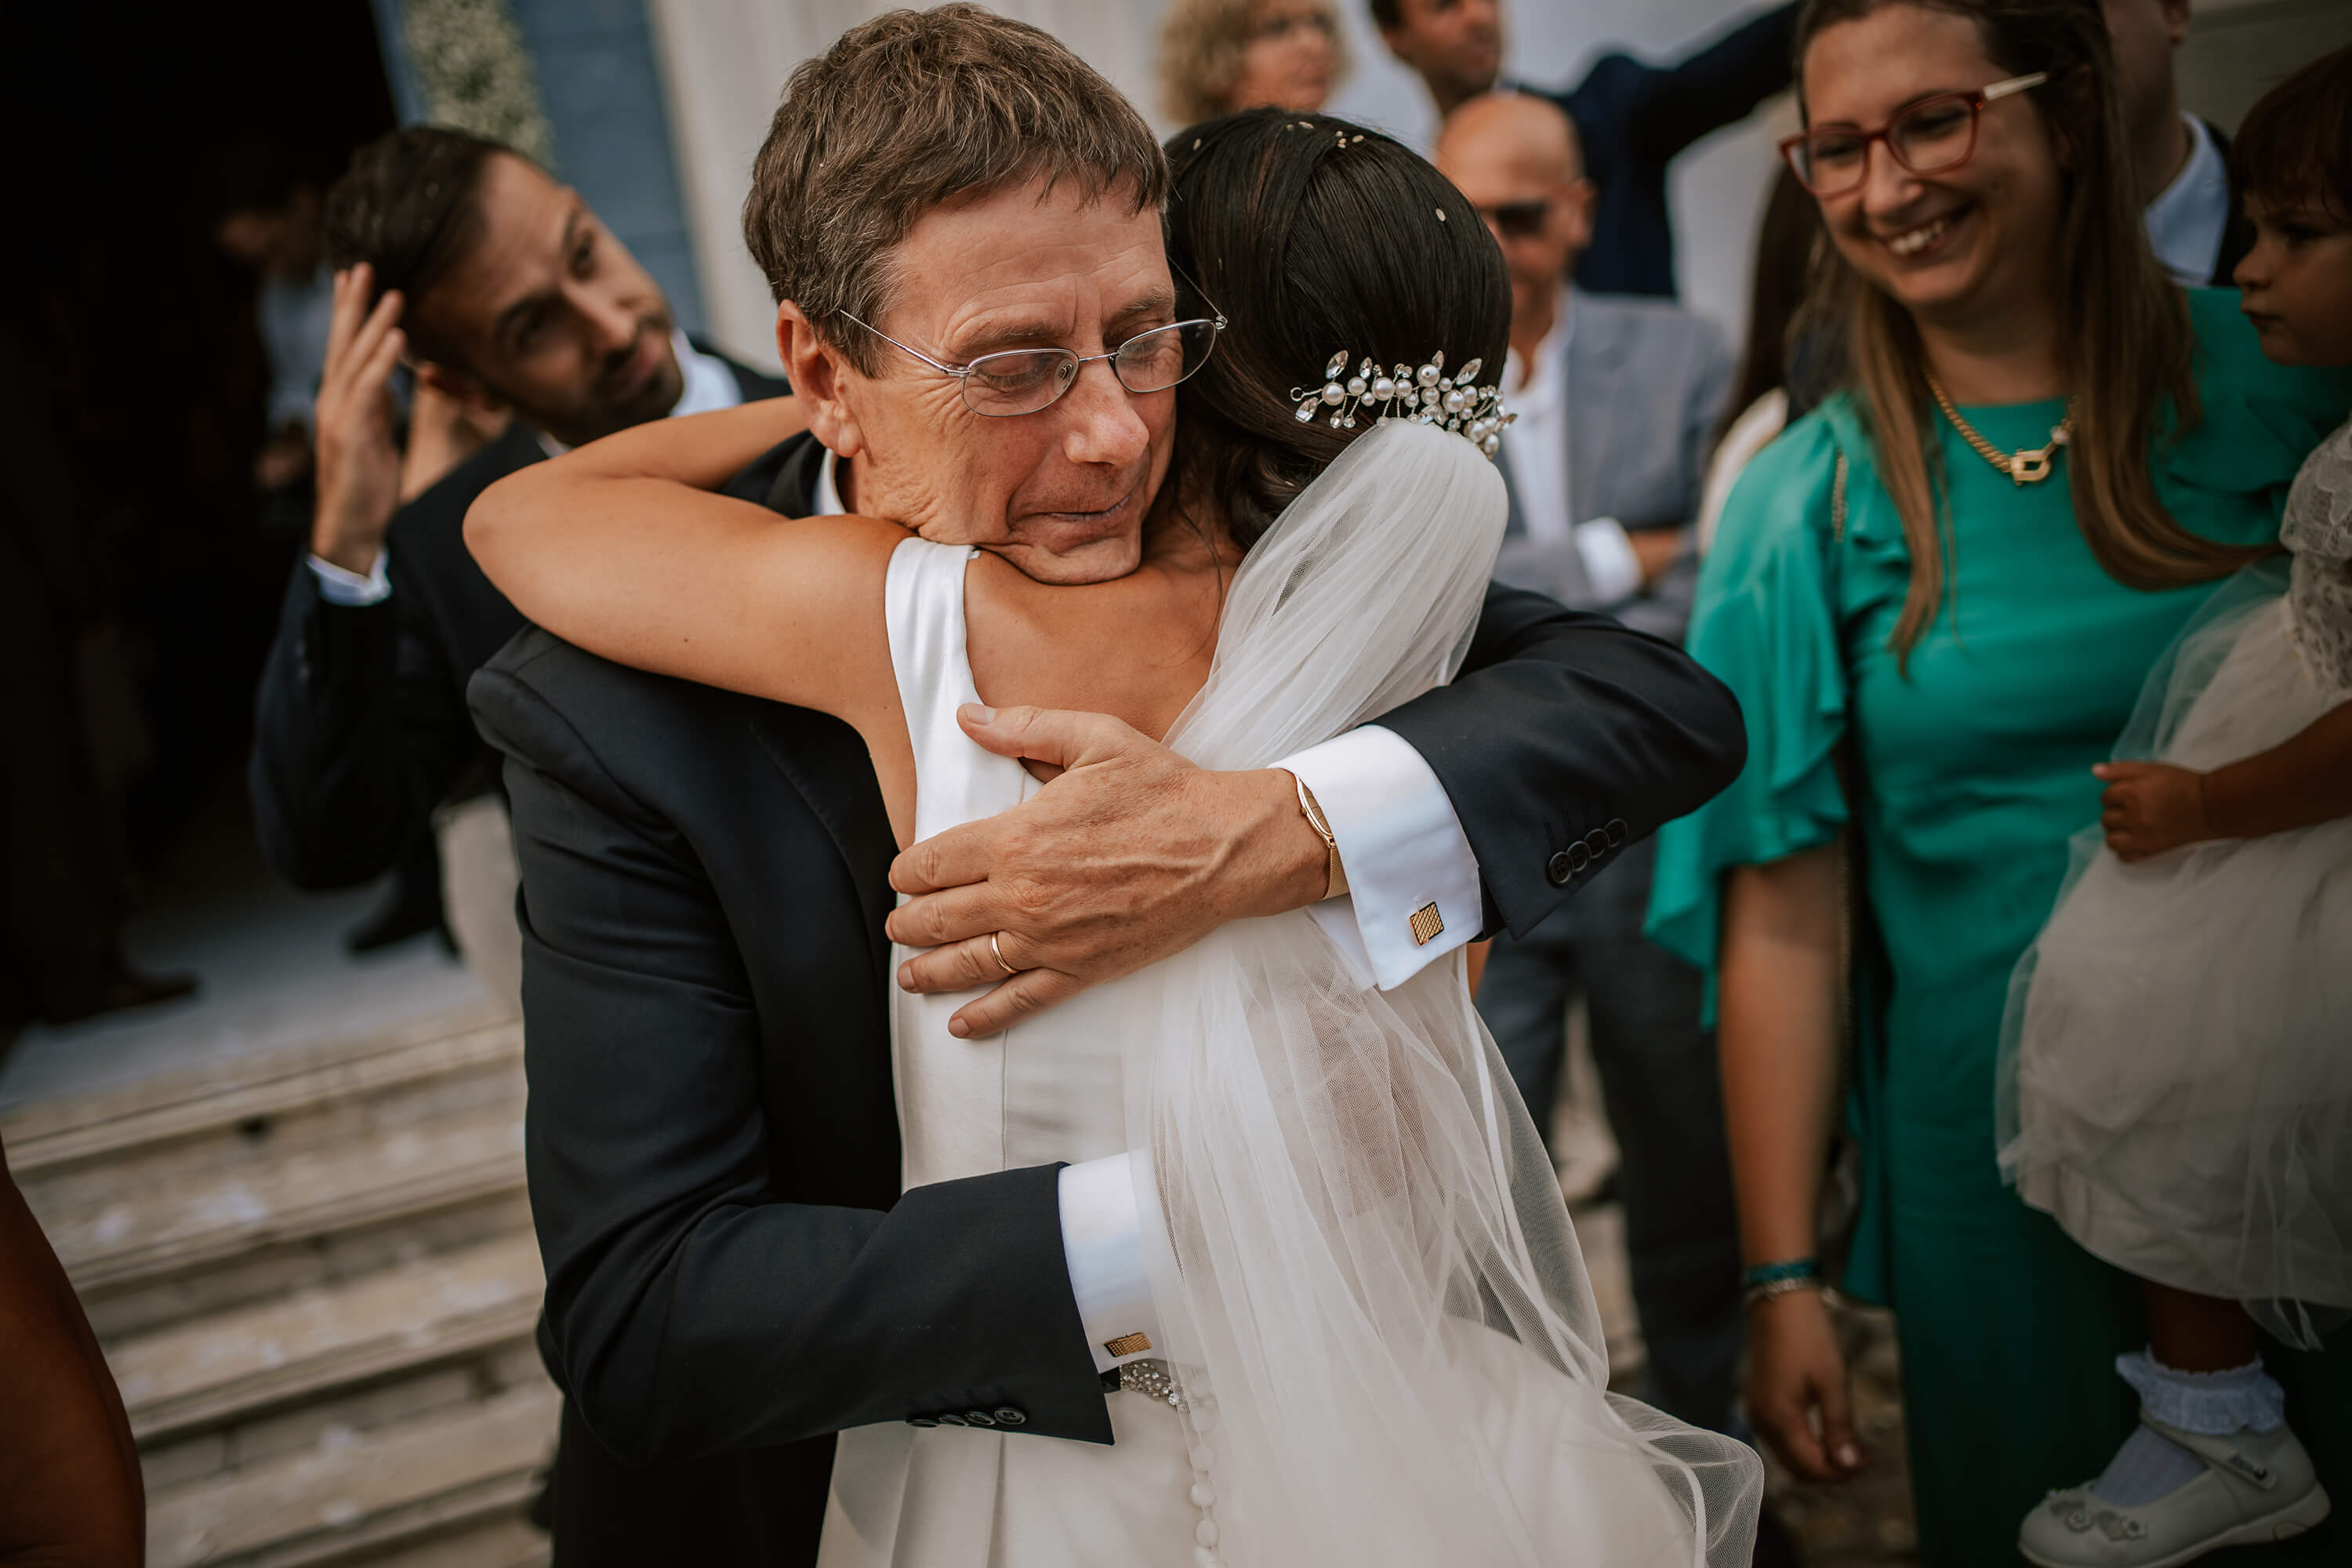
1929	137
1025	380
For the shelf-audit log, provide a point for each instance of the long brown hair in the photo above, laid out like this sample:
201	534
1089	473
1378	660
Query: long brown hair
2128	346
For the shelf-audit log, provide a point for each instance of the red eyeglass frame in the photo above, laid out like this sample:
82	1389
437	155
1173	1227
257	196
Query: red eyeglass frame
1791	146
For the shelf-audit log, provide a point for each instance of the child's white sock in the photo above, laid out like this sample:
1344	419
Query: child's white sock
2150	1464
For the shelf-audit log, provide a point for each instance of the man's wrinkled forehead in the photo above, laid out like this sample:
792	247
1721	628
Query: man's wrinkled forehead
1033	265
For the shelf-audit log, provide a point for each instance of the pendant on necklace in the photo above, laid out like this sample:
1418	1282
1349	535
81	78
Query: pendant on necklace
2032	468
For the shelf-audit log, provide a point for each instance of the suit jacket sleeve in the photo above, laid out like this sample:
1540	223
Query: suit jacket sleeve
337	787
690	1309
1561	724
1664	110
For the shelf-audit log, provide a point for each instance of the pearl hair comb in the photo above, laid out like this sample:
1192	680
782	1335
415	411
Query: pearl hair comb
1426	397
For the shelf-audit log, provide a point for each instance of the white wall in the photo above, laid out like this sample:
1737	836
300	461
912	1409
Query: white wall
724	64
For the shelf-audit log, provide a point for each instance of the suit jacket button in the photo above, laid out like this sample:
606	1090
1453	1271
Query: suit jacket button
1617	831
978	1418
950	1419
1578	857
1597	841
1011	1416
1559	869
921	1421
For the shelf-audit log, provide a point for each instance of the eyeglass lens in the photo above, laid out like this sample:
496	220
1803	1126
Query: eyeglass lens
1934	134
1022	381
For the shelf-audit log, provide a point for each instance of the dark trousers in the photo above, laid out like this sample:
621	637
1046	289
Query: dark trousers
1664	1095
752	1508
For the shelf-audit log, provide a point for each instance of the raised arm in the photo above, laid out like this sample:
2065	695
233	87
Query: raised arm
1711	87
621	548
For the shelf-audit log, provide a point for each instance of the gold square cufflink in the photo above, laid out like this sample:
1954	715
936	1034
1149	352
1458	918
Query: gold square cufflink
1426	923
1128	1344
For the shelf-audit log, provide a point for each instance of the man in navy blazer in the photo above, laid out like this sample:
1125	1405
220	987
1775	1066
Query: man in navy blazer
1634	118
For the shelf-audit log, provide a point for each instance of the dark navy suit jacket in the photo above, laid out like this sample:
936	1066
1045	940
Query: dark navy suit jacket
1634	119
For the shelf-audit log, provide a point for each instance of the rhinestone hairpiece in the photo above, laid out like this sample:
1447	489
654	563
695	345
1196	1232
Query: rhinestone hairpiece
1426	397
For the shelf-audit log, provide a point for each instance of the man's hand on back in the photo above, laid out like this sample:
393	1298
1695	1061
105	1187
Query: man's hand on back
1127	855
359	465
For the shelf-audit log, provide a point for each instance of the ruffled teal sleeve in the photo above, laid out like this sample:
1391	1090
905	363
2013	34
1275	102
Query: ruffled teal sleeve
1765	624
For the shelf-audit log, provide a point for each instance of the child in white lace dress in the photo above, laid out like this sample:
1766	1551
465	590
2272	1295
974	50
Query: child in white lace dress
2177	1061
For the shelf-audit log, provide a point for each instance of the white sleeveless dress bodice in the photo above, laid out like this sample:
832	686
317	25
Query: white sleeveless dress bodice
1048	1090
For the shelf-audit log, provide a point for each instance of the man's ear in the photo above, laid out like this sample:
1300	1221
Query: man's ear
822	378
1579	196
457	386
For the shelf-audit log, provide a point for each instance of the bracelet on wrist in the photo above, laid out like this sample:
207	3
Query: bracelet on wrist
1756	1295
1766	1280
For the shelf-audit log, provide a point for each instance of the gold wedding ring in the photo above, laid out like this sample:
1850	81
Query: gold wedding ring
994	938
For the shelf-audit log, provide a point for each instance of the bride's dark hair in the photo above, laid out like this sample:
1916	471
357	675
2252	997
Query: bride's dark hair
1312	236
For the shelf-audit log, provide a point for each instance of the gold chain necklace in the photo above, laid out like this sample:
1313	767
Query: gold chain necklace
2026	468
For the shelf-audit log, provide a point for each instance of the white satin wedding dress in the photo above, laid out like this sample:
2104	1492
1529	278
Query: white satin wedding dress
1375	1306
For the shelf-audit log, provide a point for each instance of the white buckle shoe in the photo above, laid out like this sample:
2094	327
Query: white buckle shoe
2255	1488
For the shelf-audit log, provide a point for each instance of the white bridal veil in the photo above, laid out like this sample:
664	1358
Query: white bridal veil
1368	1276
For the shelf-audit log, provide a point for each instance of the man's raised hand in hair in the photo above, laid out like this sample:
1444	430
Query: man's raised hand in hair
359	463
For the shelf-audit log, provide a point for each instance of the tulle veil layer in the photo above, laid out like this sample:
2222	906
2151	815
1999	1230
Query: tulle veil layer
1367	1271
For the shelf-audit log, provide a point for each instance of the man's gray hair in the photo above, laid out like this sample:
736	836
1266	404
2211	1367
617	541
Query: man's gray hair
911	110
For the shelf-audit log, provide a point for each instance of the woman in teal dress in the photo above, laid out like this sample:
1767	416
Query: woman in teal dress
1959	641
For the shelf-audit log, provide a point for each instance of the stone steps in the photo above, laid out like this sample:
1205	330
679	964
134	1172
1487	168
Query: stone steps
219	1368
131	1196
401	1483
314	1277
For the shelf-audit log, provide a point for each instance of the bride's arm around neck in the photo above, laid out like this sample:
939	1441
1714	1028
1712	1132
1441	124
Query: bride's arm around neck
622	548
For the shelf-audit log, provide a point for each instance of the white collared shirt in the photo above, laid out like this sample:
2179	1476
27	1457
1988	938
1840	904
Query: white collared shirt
1536	448
708	384
2187	220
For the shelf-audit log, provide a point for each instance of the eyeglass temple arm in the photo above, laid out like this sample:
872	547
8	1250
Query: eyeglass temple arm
2015	84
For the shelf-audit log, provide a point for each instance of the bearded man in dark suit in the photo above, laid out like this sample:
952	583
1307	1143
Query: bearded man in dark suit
504	294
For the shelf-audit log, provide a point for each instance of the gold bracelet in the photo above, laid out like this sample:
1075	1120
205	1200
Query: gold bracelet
1335	875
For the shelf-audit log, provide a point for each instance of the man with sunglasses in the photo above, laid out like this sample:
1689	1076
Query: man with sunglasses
1634	118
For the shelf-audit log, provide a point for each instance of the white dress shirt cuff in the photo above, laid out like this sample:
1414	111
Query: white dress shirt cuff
1102	1244
1609	563
1413	893
338	587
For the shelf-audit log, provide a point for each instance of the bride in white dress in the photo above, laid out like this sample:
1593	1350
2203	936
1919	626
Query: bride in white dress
1380	1344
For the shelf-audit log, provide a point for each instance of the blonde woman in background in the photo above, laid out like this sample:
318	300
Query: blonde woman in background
1217	57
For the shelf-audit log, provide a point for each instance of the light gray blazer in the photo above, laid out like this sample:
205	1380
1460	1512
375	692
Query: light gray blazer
1646	384
1646	381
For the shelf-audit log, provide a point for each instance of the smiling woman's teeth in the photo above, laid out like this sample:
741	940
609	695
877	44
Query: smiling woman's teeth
1919	238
